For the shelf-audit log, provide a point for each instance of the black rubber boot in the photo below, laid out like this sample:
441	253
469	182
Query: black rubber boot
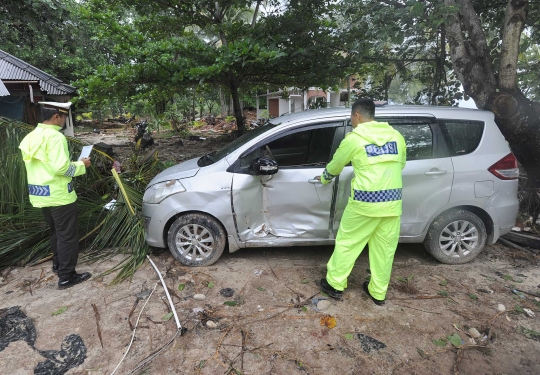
378	302
327	288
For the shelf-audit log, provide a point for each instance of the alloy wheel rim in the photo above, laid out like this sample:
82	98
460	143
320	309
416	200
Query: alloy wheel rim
458	239
194	242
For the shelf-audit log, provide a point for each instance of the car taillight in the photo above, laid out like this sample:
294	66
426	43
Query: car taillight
506	168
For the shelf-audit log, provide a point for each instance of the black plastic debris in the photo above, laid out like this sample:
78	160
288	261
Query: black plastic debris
226	292
103	147
196	138
15	326
72	353
369	343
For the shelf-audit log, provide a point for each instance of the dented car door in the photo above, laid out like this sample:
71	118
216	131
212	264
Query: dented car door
291	205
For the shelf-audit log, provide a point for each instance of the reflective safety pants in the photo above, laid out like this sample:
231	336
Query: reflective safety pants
355	230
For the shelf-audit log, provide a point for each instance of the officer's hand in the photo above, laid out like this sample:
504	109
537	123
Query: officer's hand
318	178
86	162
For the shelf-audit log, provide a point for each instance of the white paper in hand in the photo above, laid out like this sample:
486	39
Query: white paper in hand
85	153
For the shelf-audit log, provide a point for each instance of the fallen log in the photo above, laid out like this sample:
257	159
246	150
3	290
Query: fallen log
523	239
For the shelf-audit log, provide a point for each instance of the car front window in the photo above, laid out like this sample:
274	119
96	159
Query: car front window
234	145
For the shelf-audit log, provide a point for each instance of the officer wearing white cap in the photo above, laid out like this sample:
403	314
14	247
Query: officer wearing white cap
50	171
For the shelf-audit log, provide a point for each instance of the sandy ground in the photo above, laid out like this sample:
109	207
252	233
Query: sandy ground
275	326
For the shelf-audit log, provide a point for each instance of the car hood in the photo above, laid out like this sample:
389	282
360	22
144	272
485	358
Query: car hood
187	169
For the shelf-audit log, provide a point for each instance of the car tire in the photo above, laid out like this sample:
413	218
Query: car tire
456	237
196	239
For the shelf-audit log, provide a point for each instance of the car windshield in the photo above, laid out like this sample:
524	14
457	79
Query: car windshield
245	138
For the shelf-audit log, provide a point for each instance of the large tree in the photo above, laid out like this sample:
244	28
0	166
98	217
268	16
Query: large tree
50	35
237	44
493	50
402	44
490	75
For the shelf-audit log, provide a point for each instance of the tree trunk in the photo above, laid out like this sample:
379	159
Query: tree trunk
440	73
193	105
222	103
519	121
517	117
237	109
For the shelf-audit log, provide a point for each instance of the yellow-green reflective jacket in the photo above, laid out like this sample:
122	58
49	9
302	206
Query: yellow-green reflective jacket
377	153
48	167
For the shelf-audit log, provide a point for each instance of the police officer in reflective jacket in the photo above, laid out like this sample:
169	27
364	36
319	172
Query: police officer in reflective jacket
377	153
50	171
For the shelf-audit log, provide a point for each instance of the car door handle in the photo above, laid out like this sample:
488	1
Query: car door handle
314	181
435	172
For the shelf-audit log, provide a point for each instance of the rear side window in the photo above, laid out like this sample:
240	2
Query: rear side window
417	132
462	136
419	140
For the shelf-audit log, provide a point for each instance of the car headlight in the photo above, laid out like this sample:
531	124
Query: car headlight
158	192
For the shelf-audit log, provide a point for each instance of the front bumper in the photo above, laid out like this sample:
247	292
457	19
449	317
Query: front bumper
154	224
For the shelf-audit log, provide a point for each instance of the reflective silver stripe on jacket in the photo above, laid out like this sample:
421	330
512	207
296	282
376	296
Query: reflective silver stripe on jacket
71	171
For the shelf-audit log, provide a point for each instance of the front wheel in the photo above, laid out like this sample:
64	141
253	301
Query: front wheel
196	239
456	237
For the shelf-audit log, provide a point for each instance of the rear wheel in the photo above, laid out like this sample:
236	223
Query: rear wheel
456	237
196	239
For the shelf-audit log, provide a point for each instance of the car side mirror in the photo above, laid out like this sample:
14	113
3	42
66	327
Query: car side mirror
263	166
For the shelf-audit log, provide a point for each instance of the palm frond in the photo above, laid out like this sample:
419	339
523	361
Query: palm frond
103	233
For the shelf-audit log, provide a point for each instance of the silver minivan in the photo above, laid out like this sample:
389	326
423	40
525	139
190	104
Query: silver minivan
459	186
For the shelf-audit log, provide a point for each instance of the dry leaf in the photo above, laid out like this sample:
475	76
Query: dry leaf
328	321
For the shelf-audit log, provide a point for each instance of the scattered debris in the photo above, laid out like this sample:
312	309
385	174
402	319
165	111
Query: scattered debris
473	332
455	340
529	293
485	290
226	292
96	314
211	324
369	343
501	307
329	321
72	353
15	326
199	297
105	148
323	305
516	229
529	313
196	138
